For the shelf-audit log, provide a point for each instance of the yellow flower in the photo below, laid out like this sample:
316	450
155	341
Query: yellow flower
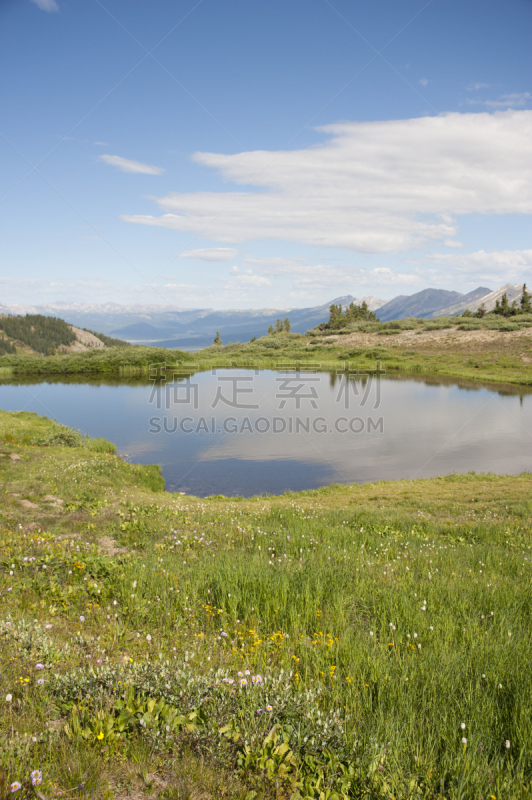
100	736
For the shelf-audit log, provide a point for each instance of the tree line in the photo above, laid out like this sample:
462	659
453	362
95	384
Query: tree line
340	318
503	307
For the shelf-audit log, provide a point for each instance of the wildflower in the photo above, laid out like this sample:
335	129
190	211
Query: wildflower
507	744
82	618
39	666
464	740
36	777
9	698
371	633
259	711
243	682
223	633
148	637
247	672
40	682
269	708
15	786
100	736
256	679
48	627
500	685
240	674
100	661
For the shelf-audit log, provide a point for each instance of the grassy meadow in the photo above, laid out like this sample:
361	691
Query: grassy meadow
351	642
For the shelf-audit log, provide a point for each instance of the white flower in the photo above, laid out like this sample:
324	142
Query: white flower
148	637
464	740
463	726
9	698
507	744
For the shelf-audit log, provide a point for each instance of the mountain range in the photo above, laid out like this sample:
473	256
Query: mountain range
196	328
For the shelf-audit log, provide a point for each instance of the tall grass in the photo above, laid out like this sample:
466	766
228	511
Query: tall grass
387	625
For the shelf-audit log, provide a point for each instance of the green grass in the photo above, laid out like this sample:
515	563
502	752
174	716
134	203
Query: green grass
380	618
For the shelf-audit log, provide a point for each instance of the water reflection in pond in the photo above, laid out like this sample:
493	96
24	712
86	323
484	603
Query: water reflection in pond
244	432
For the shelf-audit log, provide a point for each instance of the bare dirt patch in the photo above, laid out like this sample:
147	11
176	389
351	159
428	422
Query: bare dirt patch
85	341
449	338
110	546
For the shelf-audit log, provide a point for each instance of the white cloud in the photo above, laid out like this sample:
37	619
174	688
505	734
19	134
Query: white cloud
373	187
187	287
125	165
211	254
452	243
502	266
515	100
424	81
474	87
247	279
46	5
309	280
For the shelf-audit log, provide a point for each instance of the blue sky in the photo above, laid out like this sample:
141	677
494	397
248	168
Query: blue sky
250	154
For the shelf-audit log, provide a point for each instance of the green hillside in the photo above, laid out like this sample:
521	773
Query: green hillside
43	334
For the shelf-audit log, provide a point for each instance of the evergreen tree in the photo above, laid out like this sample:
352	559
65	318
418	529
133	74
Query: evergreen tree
481	311
505	308
526	307
286	325
217	338
270	330
278	326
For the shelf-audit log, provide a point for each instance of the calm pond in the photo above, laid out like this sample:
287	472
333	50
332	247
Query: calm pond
241	432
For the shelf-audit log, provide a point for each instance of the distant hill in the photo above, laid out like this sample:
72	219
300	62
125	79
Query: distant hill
430	303
514	292
37	333
193	328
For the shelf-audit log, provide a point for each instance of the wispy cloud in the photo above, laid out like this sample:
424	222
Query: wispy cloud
125	165
514	100
424	81
211	254
247	279
474	87
501	266
378	187
46	5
